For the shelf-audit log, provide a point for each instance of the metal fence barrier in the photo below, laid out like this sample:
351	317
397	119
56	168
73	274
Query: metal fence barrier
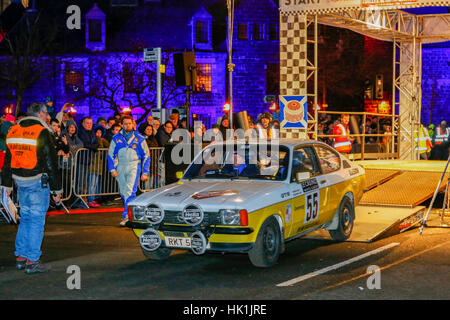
90	176
157	172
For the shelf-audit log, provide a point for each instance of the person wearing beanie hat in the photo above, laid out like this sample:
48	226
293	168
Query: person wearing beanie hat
50	107
102	121
263	128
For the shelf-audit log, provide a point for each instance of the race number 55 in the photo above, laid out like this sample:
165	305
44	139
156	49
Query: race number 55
311	206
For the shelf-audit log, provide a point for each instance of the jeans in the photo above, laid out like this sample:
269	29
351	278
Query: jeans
34	201
94	186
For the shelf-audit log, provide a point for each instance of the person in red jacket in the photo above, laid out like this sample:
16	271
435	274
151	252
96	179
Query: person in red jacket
342	141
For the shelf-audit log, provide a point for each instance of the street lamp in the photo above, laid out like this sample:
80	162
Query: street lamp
230	65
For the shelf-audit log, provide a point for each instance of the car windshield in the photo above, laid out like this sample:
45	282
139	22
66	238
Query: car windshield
240	161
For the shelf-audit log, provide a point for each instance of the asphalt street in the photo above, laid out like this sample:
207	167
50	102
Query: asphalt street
112	266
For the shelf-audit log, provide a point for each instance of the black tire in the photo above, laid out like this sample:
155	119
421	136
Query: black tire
268	244
158	254
346	220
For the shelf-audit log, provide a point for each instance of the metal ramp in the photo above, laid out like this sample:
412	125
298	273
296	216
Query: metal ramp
375	177
375	223
407	189
393	191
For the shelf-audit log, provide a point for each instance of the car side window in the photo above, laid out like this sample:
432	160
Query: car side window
303	161
329	160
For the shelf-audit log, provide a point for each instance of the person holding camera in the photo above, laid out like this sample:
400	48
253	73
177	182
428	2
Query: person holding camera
31	163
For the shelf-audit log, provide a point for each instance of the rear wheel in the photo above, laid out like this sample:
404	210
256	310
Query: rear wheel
267	247
346	219
158	254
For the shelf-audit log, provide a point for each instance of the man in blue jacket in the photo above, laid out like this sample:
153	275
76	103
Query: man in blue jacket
128	160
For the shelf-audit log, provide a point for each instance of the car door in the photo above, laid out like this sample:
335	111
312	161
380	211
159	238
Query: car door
329	180
306	195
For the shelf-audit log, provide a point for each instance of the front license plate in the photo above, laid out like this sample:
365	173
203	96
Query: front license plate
177	242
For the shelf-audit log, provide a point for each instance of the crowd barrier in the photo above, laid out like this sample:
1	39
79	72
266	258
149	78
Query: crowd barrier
86	174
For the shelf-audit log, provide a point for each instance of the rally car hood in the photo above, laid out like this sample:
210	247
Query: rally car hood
213	195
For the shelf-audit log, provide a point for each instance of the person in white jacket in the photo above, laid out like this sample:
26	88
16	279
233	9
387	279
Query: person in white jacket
128	160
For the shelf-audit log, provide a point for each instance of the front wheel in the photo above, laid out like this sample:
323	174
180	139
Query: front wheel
346	218
268	243
158	254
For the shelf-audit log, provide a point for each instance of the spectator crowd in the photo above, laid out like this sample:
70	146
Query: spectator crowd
71	135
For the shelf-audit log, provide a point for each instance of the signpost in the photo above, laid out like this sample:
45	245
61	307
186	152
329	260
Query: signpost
154	55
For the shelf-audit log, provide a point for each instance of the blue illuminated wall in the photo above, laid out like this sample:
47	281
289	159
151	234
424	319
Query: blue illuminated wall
436	83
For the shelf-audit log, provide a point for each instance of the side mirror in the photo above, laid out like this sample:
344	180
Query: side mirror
179	174
302	176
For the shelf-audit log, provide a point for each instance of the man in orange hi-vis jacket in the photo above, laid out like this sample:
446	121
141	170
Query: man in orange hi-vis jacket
342	141
31	164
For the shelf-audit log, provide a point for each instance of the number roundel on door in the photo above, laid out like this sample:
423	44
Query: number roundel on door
311	206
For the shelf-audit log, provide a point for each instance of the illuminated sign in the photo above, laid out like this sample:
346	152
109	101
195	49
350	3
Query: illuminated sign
293	112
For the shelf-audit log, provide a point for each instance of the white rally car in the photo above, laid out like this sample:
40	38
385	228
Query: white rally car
251	198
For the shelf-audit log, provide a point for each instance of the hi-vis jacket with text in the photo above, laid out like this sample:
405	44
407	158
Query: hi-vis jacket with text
342	142
30	153
441	136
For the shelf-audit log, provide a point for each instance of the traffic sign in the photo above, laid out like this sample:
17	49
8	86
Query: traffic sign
269	98
152	55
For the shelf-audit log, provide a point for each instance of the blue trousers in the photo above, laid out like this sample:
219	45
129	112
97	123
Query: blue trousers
34	201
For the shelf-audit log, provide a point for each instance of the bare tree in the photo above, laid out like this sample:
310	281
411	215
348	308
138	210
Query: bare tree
28	58
124	80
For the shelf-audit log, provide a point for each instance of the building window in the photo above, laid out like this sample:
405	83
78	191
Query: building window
273	78
201	32
274	31
258	33
203	77
242	31
133	79
74	78
130	3
95	31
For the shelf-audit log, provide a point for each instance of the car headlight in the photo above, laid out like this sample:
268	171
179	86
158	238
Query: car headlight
230	216
139	213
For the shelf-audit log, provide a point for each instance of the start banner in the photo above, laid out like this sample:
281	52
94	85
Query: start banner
317	6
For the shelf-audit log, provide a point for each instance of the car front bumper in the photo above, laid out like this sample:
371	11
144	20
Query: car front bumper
220	239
